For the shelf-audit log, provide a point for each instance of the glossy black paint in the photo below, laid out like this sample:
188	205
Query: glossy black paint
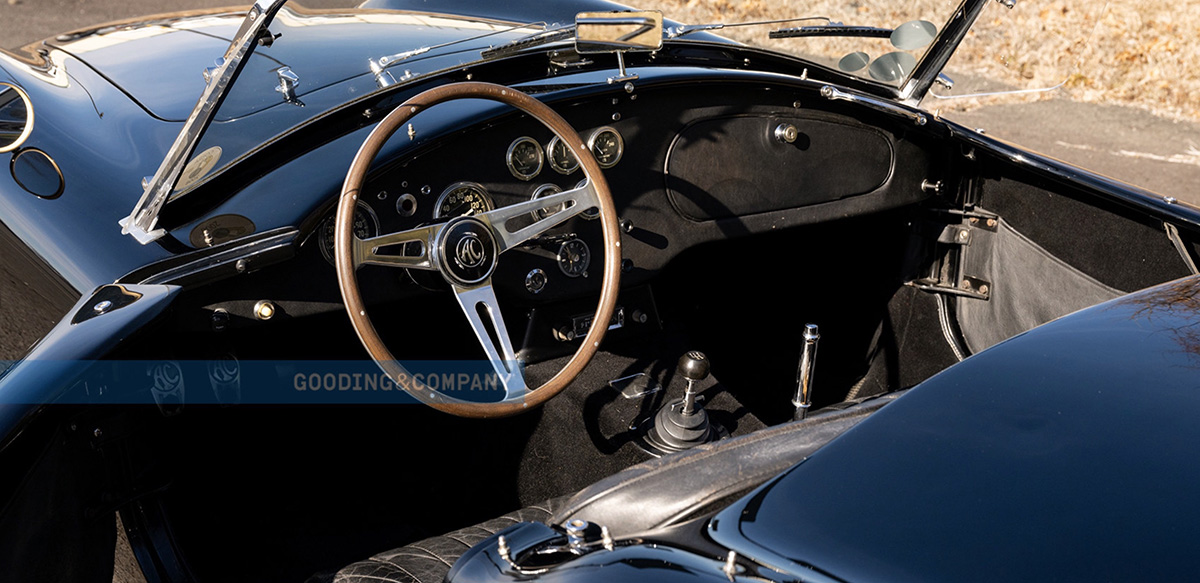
1064	454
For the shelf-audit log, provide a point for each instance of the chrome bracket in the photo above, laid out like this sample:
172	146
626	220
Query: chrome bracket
622	74
832	93
142	222
288	80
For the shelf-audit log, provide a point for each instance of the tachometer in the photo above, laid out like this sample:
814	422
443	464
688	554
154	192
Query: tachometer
607	146
366	225
524	158
462	198
561	158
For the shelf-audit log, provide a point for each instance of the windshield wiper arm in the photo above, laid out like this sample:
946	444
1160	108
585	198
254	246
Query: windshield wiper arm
380	66
544	37
686	29
832	29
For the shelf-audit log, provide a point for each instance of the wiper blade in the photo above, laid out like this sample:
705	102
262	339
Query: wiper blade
379	66
544	37
832	29
686	29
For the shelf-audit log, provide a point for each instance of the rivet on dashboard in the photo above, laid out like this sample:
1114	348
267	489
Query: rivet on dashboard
796	104
629	87
265	310
382	195
426	190
240	266
616	117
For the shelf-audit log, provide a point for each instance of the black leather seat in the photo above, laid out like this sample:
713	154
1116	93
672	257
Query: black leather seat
650	495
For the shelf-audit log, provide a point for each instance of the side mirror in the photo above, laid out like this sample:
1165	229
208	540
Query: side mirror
16	117
614	32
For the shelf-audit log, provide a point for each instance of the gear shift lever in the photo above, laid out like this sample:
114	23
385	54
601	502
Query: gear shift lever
694	367
681	424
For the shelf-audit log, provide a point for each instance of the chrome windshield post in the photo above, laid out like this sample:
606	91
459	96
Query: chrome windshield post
142	222
953	33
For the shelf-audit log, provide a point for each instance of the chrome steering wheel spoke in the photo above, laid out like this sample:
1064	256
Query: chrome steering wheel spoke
368	251
479	305
551	211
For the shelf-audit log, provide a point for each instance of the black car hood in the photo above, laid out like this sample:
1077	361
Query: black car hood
1066	453
159	61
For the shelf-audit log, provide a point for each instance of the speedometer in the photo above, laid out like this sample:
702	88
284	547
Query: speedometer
366	225
462	198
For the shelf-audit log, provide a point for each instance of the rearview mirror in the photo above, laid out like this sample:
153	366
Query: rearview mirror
609	32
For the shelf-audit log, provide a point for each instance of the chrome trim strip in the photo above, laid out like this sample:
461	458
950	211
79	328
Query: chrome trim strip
832	93
239	256
143	220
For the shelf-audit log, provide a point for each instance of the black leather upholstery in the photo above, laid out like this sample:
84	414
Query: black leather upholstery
429	560
644	497
675	488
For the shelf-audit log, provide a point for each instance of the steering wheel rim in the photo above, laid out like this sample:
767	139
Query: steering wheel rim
474	293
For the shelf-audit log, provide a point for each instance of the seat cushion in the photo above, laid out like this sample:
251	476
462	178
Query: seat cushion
429	560
651	495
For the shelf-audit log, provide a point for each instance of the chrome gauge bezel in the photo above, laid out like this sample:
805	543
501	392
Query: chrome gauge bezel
591	144
483	192
550	156
29	117
512	165
547	189
586	260
325	231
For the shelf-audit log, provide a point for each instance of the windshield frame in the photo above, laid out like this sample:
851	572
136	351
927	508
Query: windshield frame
142	222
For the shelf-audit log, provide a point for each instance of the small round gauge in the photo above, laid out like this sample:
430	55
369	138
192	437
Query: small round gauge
366	225
524	158
590	214
574	256
543	191
461	199
607	146
561	158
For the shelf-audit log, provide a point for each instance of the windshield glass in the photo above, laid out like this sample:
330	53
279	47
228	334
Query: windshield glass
877	40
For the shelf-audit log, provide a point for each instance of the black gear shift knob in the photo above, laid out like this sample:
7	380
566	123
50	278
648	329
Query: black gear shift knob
694	366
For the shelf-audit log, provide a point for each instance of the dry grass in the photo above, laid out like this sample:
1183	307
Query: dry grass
1141	53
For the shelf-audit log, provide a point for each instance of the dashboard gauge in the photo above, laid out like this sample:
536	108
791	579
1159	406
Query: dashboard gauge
461	199
366	225
543	191
561	158
524	158
590	214
574	257
607	146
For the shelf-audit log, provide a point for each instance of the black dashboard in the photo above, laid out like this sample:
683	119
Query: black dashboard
685	168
